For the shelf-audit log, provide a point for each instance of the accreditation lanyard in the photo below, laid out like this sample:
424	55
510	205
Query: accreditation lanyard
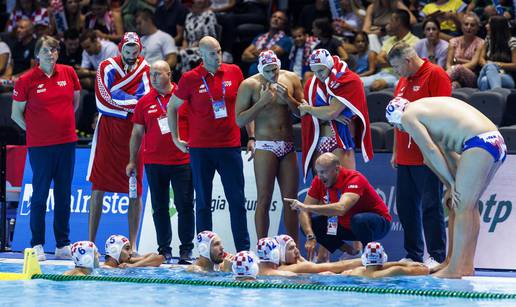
333	221
162	119
219	106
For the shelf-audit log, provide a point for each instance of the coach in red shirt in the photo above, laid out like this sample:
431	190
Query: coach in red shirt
44	102
348	208
164	163
210	91
418	190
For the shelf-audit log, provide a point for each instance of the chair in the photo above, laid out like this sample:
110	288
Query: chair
376	103
389	139
490	103
509	135
378	135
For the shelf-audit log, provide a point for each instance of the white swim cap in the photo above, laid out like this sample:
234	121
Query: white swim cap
266	58
283	241
395	109
245	264
114	246
268	250
83	254
204	239
374	254
321	57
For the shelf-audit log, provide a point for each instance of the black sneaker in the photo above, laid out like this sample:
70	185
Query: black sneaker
184	257
167	255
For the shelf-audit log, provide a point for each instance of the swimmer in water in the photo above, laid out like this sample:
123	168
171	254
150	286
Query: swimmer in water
86	258
119	255
375	265
268	251
212	257
245	266
464	149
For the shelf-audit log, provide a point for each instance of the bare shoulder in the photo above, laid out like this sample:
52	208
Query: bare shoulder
194	269
291	76
250	84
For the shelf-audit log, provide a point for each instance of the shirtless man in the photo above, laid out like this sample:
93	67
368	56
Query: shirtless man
464	149
375	265
212	257
265	99
291	261
119	255
268	251
86	258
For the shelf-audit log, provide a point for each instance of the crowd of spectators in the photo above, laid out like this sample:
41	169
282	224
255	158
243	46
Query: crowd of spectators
472	41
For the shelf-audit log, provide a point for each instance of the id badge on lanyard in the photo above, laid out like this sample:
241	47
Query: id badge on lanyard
162	120
219	106
333	221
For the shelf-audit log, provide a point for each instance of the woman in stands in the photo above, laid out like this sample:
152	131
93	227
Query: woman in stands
432	47
498	56
464	53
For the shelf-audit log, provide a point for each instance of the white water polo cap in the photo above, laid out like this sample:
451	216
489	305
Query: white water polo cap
374	254
83	254
114	246
245	264
283	241
266	58
268	250
395	109
321	57
204	240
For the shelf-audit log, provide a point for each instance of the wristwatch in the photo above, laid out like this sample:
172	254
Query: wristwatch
310	237
251	138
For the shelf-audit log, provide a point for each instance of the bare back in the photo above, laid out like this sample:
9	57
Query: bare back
449	121
274	122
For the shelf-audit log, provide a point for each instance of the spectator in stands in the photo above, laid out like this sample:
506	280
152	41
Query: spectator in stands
200	22
130	9
365	59
498	56
418	189
157	45
6	68
486	9
27	9
399	28
94	51
44	102
223	9
41	28
350	22
170	18
448	13
323	30
23	47
432	47
303	47
74	17
311	12
71	51
276	40
378	15
464	53
107	23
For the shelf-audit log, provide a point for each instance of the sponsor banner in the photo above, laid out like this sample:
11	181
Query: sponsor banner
220	215
114	210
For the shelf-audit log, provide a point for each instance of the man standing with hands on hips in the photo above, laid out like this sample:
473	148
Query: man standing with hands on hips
210	91
164	163
121	81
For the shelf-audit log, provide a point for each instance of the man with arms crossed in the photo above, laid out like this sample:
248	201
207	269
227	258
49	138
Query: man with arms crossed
464	149
263	99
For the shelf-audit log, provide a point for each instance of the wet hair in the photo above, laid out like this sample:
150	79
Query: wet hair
499	37
432	20
46	40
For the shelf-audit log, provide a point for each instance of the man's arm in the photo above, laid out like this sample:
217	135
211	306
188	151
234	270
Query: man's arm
149	260
250	54
306	226
345	203
18	113
310	267
434	158
172	118
402	271
382	61
297	98
134	147
245	110
171	60
330	112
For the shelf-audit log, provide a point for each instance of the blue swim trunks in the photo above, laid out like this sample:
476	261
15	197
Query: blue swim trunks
492	142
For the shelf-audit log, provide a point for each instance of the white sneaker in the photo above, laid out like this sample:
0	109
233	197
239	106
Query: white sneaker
431	263
39	252
406	260
63	253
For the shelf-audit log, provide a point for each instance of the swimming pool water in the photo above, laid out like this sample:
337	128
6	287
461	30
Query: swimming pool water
92	293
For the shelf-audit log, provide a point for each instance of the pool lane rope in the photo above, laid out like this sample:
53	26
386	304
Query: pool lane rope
268	285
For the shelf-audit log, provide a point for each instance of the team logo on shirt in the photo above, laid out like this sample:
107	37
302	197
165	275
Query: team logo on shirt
352	186
41	89
153	106
61	83
416	88
401	91
202	89
227	83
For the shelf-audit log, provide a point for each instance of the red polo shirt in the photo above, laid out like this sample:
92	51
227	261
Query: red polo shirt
206	131
49	112
159	148
429	81
350	181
